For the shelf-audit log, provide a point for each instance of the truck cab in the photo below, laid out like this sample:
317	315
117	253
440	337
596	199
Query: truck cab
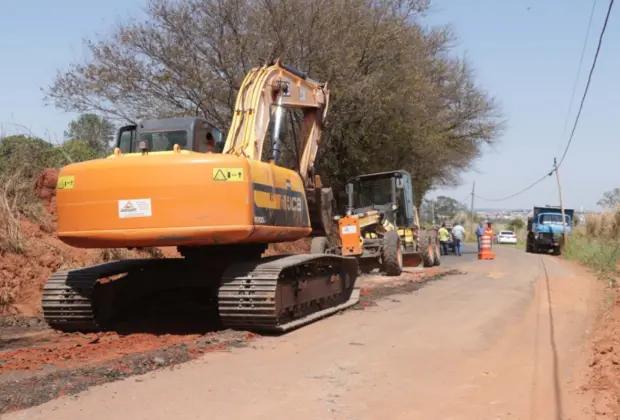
545	229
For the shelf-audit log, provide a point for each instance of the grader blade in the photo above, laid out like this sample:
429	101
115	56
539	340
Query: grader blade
411	259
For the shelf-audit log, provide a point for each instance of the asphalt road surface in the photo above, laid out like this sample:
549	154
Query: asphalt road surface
502	341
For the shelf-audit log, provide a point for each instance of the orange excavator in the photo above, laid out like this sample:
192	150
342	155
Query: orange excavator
163	186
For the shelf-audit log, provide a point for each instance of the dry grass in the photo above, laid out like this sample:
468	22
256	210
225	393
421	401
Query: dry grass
11	237
596	243
9	288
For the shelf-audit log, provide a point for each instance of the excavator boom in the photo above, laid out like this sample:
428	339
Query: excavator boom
270	88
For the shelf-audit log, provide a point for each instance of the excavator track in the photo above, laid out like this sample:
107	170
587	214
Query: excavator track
277	294
272	294
68	294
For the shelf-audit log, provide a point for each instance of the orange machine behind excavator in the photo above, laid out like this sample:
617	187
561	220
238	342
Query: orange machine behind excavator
162	188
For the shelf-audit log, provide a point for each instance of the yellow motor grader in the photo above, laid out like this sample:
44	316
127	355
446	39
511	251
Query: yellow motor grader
381	226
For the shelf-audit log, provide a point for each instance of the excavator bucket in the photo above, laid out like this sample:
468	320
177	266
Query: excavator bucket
411	258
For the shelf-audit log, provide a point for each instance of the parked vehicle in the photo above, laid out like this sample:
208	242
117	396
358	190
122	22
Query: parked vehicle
545	230
506	237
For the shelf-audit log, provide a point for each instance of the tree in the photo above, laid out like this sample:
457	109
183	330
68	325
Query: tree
610	199
95	131
448	207
399	99
443	208
516	224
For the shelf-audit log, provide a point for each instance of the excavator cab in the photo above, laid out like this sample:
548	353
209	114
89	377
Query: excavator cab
160	135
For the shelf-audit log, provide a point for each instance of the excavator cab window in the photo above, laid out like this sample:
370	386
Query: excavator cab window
126	138
163	140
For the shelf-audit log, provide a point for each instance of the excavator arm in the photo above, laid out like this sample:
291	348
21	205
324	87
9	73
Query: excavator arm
264	94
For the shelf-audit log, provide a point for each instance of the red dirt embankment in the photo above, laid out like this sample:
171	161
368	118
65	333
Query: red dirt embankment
603	379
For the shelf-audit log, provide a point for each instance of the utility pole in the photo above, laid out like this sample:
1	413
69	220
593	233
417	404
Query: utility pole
557	174
433	212
471	211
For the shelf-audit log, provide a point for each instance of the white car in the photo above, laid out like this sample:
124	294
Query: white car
506	237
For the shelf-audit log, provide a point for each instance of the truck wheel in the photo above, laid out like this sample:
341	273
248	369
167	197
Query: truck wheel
428	259
392	254
437	255
319	245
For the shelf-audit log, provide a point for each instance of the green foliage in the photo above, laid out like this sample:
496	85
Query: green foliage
77	151
603	255
26	155
94	131
22	160
516	225
596	243
443	208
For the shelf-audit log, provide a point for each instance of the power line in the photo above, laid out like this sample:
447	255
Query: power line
572	97
519	192
585	92
578	116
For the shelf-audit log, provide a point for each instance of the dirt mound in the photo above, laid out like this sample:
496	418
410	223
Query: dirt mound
301	246
45	187
22	276
604	377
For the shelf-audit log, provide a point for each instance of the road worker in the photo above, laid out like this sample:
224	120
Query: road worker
479	233
444	239
488	229
458	233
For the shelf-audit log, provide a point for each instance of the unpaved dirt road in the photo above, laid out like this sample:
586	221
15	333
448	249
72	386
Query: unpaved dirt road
503	341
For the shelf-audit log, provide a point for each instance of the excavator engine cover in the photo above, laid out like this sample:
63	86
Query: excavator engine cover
179	198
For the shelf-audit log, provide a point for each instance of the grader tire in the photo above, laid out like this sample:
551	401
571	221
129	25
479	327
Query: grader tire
428	259
392	254
319	245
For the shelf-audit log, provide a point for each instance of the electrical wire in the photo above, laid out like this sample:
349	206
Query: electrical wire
532	185
572	96
587	88
577	117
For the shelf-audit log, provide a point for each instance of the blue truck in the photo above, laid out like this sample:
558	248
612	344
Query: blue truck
545	230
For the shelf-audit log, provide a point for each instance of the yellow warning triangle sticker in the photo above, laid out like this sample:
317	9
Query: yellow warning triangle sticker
219	176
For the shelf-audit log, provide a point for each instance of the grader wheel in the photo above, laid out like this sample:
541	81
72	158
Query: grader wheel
392	254
428	258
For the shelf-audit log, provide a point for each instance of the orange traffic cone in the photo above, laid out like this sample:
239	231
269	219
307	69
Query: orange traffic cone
485	247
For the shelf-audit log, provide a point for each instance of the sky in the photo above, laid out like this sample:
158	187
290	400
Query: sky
525	54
